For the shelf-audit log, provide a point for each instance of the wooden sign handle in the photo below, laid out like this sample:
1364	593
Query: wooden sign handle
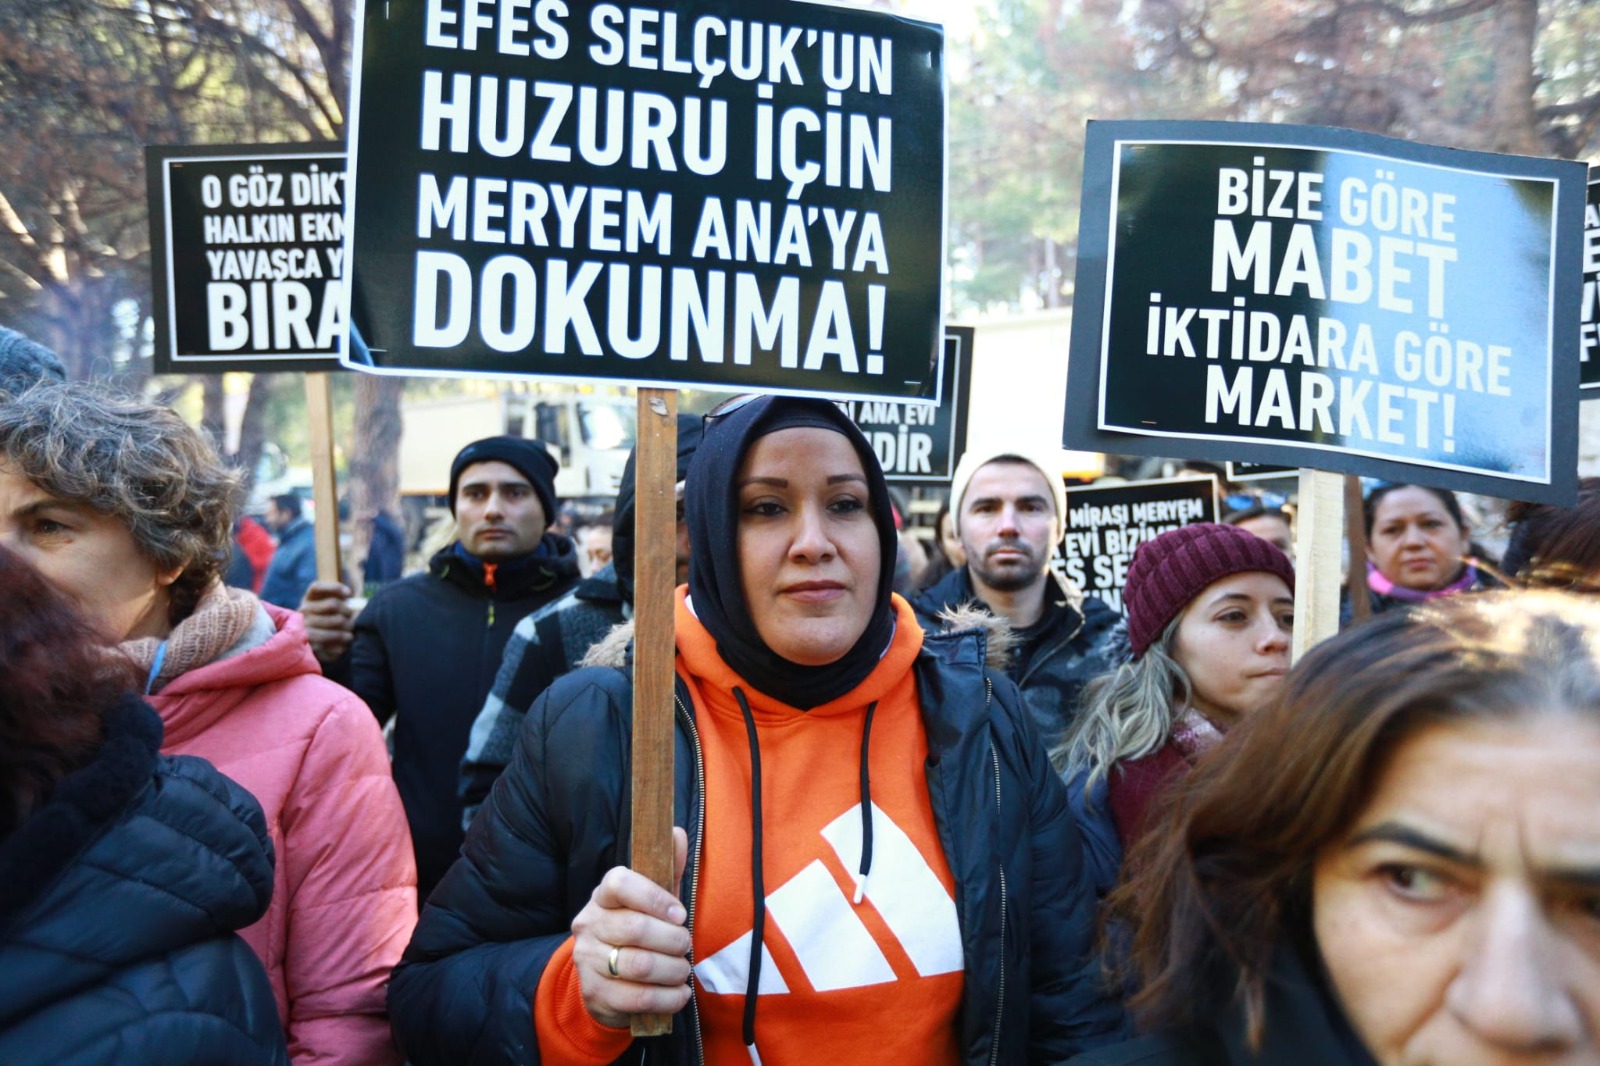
1319	527
324	483
1355	535
655	576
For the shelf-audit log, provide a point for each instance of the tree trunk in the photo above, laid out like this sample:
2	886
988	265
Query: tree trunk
1513	125
213	411
252	433
374	460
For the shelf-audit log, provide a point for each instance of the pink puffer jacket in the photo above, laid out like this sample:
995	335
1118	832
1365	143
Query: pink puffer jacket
344	897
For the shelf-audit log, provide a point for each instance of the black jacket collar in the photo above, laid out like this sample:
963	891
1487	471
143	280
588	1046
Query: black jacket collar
955	590
1304	1027
554	562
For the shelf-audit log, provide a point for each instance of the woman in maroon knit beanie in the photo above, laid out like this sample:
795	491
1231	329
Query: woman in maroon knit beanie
1210	609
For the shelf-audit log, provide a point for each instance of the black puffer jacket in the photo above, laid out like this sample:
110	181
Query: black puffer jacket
427	649
556	821
1061	662
118	899
1304	1027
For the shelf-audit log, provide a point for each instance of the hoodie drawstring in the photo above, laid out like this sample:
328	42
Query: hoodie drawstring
866	807
155	667
752	988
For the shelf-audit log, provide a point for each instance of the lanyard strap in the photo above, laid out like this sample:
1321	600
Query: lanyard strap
155	667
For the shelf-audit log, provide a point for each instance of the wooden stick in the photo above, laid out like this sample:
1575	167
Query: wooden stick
1355	535
655	570
324	484
1318	530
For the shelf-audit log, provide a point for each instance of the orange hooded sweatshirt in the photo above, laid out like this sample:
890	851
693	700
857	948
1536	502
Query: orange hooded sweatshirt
846	966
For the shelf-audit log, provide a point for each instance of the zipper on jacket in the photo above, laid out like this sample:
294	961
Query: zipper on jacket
1000	1002
1000	1007
694	869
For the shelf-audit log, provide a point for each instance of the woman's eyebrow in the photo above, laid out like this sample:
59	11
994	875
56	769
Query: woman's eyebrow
1410	837
1583	878
49	503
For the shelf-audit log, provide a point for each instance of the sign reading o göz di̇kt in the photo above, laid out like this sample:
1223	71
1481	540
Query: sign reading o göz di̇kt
247	255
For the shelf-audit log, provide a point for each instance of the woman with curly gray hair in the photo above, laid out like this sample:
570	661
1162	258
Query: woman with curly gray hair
128	510
140	480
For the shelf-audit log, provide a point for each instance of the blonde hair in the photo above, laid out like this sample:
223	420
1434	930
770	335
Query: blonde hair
1127	714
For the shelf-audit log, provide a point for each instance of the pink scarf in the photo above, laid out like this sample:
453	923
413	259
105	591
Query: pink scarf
1194	734
1384	587
219	621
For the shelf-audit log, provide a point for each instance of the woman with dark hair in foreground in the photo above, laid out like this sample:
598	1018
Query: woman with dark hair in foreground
1397	862
122	873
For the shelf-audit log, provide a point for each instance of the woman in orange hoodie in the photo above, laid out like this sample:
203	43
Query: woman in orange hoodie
127	509
879	862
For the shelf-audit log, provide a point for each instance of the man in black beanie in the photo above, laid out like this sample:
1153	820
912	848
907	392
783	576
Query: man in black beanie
554	639
426	648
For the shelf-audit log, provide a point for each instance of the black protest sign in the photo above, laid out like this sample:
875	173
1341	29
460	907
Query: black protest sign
718	196
917	444
1105	523
247	253
1589	338
1328	299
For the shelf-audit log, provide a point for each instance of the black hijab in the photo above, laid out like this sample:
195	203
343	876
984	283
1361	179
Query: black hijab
711	500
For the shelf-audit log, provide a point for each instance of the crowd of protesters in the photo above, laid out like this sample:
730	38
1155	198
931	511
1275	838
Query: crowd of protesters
929	810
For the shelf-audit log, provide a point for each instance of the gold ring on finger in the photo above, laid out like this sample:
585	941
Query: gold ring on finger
611	962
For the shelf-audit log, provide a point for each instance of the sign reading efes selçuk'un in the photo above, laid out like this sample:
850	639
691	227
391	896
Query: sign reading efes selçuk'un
716	195
1329	299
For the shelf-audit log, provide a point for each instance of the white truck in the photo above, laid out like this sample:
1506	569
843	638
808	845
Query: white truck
589	435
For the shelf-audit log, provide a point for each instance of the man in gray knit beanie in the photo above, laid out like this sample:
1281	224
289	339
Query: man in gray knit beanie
23	362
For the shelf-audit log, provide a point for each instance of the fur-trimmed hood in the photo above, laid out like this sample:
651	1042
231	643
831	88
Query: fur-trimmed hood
999	639
615	649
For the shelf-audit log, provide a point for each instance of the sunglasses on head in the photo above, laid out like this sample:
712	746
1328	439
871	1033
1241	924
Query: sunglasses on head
727	407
